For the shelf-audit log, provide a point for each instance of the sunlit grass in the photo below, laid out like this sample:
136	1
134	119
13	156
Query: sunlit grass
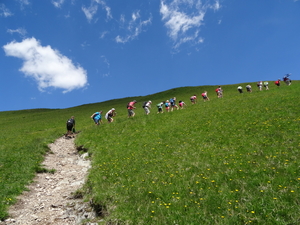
227	161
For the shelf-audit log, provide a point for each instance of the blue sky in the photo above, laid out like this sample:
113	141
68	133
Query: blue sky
65	53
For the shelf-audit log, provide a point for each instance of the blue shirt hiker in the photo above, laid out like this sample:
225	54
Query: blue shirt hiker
97	117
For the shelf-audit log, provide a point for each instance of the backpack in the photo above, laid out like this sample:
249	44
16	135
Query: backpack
144	104
128	104
171	100
70	121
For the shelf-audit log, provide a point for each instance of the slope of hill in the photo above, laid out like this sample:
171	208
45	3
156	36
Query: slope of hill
227	161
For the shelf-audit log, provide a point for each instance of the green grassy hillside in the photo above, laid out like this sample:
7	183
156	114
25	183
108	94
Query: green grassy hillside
227	161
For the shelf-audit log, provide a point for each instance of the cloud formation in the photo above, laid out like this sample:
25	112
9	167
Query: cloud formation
183	19
133	27
93	8
5	12
20	31
47	66
57	3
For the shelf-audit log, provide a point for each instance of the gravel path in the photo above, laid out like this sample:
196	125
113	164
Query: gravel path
49	199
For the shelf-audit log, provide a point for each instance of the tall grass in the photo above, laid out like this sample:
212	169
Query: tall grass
227	161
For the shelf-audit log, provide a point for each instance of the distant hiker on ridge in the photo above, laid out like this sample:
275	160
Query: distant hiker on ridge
219	91
249	88
266	85
240	89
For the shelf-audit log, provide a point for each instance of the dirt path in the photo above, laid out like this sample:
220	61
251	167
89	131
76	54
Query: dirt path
49	200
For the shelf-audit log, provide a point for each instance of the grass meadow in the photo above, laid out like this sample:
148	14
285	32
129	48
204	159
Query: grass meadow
233	160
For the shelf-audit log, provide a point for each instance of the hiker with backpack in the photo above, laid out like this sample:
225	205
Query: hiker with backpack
193	99
70	126
240	89
204	96
266	85
219	91
167	105
160	107
287	80
259	85
130	108
249	88
173	103
277	83
181	104
97	117
147	107
110	114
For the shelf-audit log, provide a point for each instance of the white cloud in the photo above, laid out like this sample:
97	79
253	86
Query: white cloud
4	11
103	34
20	31
183	19
47	66
93	8
216	6
58	3
90	11
133	27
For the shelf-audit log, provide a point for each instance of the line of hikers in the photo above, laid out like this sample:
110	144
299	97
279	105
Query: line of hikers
169	105
265	84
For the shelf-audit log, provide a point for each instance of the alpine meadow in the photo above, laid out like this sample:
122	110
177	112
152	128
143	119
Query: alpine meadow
230	160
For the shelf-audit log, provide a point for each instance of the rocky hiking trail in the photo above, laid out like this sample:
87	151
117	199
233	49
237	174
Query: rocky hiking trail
50	197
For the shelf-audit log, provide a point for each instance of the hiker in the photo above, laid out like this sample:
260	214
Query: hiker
193	99
130	108
287	80
147	107
181	104
266	85
259	85
160	107
173	104
167	105
204	96
97	117
110	114
249	88
70	126
277	83
219	92
240	89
